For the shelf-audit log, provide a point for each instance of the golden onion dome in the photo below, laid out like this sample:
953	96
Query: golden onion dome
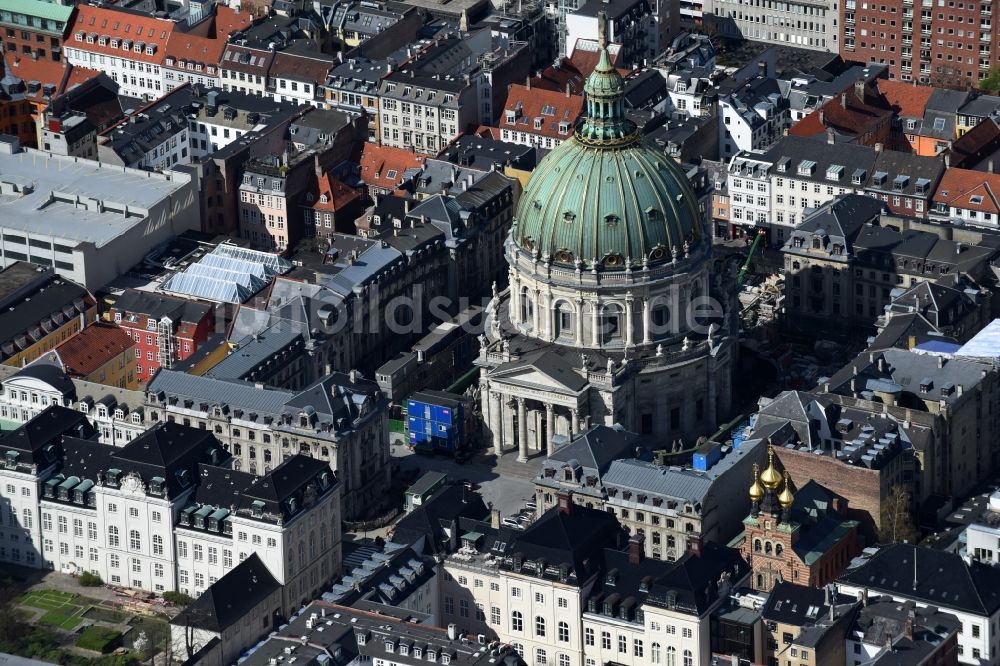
786	497
771	478
756	492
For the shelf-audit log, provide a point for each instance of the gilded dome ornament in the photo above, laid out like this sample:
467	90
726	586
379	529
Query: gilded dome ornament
756	492
786	497
771	478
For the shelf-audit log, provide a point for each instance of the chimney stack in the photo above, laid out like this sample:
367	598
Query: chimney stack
694	544
635	549
527	82
564	502
495	518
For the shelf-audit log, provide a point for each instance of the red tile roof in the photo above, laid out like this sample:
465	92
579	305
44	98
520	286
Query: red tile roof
975	145
311	69
125	28
846	114
228	21
95	345
969	190
383	166
907	100
62	75
338	195
528	105
585	56
207	49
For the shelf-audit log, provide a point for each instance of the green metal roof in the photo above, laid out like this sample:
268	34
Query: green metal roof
605	198
39	8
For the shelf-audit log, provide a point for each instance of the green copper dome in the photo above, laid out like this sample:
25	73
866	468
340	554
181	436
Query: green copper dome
606	197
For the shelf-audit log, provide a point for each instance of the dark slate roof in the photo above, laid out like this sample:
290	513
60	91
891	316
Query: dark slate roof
693	582
287	479
167	443
596	448
575	538
440	511
49	373
796	149
227	601
32	440
838	223
938	578
799	605
156	306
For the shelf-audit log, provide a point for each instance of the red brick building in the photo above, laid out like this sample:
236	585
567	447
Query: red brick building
165	329
803	537
951	45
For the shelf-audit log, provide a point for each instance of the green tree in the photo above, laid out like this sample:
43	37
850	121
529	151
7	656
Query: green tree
896	524
992	80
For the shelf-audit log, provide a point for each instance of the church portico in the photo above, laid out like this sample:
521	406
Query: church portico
527	420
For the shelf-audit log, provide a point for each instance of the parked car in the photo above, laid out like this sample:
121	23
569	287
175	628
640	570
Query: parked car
511	522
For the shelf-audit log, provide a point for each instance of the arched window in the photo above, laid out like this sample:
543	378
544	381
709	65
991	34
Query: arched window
516	621
564	320
157	544
654	653
134	540
671	542
540	657
564	632
611	324
760	581
767	548
778	549
563	659
756	545
671	655
113	537
527	307
688	658
539	626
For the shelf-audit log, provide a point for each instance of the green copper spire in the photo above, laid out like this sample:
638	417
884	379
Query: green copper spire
605	123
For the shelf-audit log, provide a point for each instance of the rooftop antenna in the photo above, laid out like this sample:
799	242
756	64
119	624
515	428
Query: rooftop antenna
914	567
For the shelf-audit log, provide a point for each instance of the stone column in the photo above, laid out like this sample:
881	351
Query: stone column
574	421
646	320
534	312
579	322
507	407
550	426
496	422
522	431
596	333
629	325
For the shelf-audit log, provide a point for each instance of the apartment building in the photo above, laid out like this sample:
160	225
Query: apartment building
425	112
339	420
35	28
164	513
569	590
752	117
295	76
539	118
102	353
935	579
352	87
969	196
38	311
165	329
128	46
193	56
946	46
750	201
806	175
798	23
28	453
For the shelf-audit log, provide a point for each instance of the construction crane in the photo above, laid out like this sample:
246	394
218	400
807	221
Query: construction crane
741	276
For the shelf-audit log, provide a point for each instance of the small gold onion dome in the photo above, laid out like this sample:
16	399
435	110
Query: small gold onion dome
771	478
786	497
756	492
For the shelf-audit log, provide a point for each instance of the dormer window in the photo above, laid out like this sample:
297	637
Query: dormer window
806	167
390	647
404	649
432	656
445	658
569	216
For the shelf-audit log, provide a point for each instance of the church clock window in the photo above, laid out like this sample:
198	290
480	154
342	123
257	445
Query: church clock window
611	320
